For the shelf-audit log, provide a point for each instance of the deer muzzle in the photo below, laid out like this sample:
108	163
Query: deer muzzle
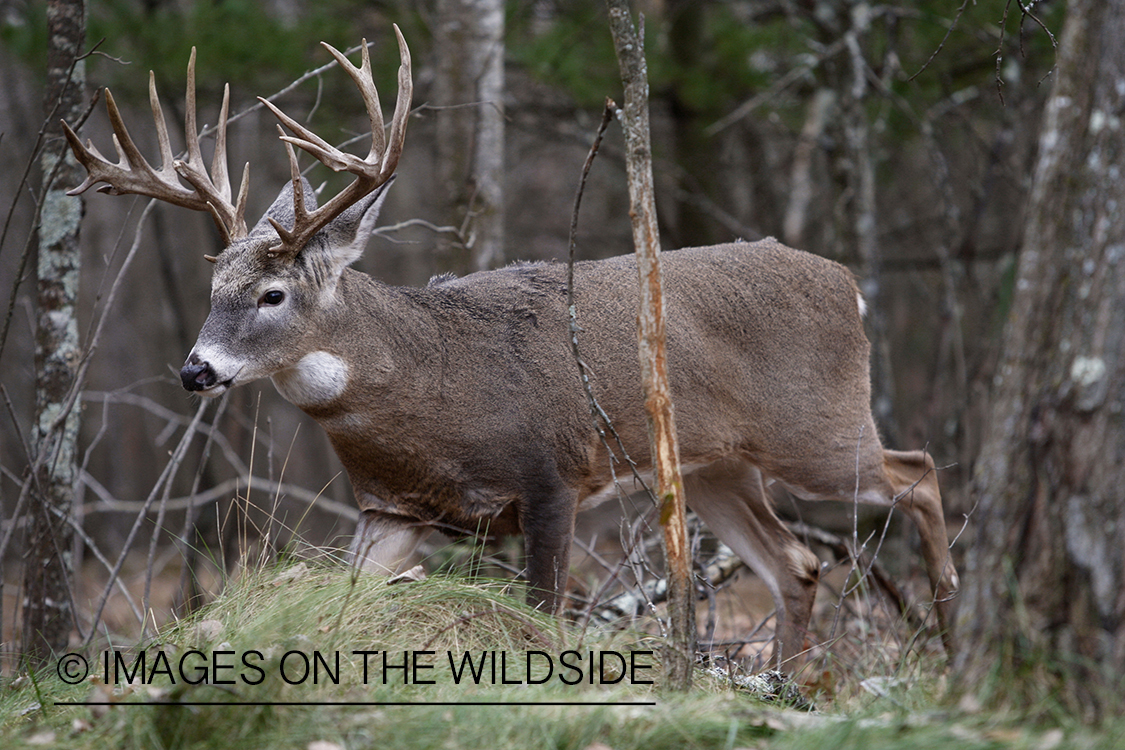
197	375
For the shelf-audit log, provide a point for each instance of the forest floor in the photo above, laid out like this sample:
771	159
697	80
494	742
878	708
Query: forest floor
308	656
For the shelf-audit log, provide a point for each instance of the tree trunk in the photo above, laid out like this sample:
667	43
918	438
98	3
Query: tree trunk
47	607
801	177
859	226
470	81
694	150
679	653
1044	597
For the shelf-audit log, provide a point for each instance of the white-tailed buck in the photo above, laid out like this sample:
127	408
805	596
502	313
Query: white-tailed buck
459	405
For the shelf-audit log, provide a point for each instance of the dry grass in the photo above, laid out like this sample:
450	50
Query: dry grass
323	610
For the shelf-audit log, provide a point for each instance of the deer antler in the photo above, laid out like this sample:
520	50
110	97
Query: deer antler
133	174
370	172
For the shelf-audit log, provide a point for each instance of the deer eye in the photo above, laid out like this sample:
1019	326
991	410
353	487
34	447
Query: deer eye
272	298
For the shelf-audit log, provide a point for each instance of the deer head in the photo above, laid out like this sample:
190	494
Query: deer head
274	284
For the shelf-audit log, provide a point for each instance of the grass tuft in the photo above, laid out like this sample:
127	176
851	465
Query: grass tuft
283	651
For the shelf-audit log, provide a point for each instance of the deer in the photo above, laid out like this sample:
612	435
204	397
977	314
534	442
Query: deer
459	406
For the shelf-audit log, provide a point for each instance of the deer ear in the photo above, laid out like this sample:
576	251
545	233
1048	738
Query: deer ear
282	209
344	239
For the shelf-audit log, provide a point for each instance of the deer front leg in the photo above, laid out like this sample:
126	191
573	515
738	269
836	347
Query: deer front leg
383	542
914	482
548	529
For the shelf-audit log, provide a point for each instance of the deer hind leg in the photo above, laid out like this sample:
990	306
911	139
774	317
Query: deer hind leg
731	500
904	480
383	543
914	489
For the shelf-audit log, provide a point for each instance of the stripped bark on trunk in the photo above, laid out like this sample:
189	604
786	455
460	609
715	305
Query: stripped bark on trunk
680	650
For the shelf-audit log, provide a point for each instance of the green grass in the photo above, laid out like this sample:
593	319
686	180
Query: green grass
264	627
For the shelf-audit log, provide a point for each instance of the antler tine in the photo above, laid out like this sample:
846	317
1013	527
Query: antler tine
371	172
300	211
402	107
219	167
191	132
236	216
215	190
133	174
324	151
366	84
219	173
167	172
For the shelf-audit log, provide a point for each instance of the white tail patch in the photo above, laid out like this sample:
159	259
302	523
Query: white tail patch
317	378
862	305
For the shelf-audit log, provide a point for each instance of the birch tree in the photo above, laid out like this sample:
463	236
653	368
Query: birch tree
470	85
48	572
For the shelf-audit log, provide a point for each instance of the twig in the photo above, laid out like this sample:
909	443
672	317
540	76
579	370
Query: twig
778	86
187	550
109	504
944	39
166	475
93	547
315	72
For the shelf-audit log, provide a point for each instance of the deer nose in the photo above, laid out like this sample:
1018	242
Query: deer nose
196	374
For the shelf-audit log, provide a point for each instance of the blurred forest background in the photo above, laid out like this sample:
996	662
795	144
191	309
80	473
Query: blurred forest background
898	138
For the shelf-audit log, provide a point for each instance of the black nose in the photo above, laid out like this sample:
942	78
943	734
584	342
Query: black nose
197	375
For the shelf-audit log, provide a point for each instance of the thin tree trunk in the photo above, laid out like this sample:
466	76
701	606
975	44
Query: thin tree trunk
47	607
801	177
694	150
1044	596
861	211
679	654
470	81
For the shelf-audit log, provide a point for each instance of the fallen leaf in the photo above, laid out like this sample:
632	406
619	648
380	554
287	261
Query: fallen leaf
417	573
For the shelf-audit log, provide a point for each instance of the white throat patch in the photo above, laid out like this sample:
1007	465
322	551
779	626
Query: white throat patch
318	378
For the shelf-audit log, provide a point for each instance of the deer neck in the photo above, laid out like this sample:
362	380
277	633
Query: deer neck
365	346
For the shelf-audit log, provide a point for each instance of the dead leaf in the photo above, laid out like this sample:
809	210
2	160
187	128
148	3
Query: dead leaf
417	573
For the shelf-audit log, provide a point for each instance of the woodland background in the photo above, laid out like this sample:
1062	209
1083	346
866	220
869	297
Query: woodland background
898	138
